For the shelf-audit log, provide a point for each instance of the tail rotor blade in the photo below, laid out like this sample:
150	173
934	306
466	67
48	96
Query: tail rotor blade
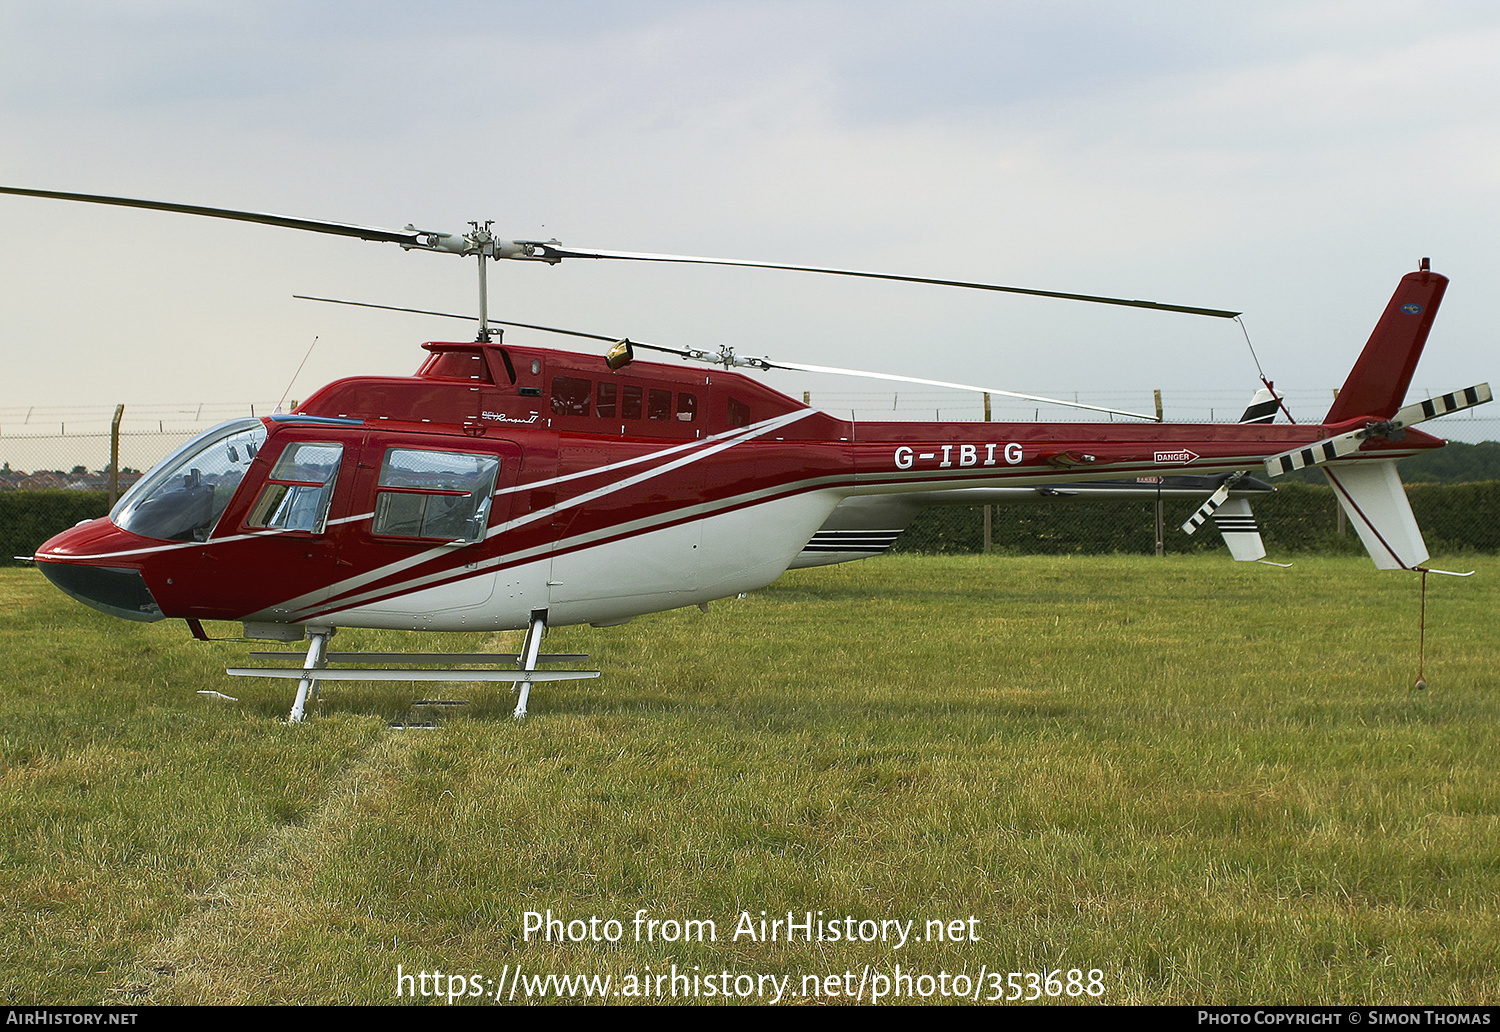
1331	448
1206	510
1432	408
1215	500
1316	454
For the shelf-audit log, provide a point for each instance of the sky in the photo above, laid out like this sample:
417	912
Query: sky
1291	160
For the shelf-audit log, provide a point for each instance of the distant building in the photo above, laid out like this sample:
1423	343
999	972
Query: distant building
56	480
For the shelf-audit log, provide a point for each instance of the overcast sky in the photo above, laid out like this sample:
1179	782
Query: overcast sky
1288	159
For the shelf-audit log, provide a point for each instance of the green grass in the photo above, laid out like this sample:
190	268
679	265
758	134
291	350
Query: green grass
1212	782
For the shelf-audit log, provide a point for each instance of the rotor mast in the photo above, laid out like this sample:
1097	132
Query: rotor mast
484	244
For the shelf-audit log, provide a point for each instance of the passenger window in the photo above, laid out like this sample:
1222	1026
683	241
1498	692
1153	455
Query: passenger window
431	494
297	494
687	407
630	402
570	395
604	401
739	413
659	404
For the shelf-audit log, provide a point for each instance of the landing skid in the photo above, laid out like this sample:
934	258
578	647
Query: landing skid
315	668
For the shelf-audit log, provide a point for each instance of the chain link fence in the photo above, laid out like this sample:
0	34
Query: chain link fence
68	448
50	450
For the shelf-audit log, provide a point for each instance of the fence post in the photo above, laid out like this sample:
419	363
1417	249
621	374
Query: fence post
114	456
989	510
1161	512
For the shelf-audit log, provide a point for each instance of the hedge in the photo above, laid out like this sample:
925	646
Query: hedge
1297	518
28	518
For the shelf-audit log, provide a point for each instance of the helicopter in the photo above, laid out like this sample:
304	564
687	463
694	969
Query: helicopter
506	487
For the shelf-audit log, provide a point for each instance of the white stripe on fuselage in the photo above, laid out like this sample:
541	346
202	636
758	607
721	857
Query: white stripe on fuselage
269	532
697	450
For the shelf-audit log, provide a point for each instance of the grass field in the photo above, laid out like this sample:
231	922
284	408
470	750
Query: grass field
1180	780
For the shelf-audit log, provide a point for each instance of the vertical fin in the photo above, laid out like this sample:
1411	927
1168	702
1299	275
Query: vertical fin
1237	525
1375	502
1262	408
1377	384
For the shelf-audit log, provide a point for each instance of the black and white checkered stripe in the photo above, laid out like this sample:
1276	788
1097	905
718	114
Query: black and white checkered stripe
1347	444
1206	510
1434	407
1313	454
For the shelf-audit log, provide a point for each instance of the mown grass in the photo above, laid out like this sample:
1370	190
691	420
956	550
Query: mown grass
1213	783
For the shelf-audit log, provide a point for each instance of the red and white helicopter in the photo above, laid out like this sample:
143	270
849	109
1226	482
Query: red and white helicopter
505	487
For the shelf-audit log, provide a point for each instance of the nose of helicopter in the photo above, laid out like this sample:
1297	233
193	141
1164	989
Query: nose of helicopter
75	561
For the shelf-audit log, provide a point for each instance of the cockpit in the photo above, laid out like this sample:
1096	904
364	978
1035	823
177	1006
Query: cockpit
185	495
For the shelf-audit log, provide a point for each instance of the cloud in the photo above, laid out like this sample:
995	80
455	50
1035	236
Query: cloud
1291	159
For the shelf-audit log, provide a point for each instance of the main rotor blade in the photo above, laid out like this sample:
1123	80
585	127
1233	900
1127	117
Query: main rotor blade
701	356
494	322
552	252
727	358
409	238
955	386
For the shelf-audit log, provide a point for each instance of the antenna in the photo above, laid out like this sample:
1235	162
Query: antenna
297	373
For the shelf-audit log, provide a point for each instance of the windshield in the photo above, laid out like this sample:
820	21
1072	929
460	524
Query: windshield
184	496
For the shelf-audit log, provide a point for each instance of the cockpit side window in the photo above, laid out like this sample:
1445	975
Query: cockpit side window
300	487
184	496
